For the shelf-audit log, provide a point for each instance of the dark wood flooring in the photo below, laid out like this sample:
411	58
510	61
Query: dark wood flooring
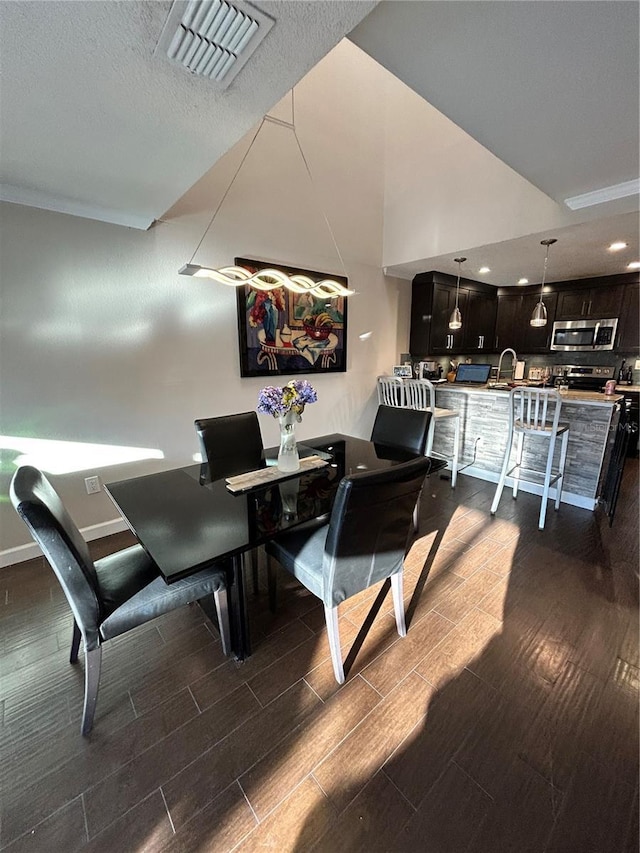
506	720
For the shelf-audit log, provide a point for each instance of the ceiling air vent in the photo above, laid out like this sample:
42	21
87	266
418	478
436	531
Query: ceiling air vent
212	38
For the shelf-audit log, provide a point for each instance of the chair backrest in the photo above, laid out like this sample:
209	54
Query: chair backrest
390	391
231	443
420	394
369	529
38	504
405	429
535	409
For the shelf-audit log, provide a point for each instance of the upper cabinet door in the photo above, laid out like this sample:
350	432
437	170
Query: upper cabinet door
629	328
508	321
444	339
595	303
606	302
479	322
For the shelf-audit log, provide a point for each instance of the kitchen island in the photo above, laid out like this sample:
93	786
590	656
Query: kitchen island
484	422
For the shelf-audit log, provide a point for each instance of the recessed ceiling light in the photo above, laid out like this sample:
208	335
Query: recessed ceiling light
615	247
484	269
523	281
634	265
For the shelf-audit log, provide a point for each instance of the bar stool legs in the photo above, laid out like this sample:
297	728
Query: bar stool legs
456	443
530	414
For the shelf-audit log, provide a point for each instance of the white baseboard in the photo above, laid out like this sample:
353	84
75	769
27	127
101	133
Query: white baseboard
31	550
532	488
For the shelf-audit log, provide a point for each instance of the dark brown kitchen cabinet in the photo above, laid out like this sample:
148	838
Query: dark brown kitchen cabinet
433	298
444	339
629	326
508	321
600	302
479	322
513	328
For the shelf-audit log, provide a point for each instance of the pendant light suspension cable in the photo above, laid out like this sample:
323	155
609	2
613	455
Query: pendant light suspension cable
267	279
455	321
539	316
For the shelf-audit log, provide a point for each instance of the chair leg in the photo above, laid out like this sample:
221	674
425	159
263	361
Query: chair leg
331	618
272	584
430	433
519	449
254	571
221	600
547	480
92	664
75	643
503	474
563	459
398	601
456	453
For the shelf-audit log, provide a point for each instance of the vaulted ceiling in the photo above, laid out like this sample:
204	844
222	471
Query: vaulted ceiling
93	123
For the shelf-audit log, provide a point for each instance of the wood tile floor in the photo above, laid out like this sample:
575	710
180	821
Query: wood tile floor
506	720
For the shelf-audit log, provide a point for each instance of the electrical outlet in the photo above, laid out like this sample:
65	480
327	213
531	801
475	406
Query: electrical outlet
92	485
636	366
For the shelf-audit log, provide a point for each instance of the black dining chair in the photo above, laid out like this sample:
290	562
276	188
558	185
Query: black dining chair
404	430
401	429
232	444
364	541
112	595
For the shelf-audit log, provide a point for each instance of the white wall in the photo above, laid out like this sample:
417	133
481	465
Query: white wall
444	192
103	342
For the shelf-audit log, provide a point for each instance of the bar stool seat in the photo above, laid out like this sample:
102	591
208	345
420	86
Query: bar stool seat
421	394
534	412
390	391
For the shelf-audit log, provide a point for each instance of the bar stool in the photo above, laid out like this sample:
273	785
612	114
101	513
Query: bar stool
390	391
534	411
421	394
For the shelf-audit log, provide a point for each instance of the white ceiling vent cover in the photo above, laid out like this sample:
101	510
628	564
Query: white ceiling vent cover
212	38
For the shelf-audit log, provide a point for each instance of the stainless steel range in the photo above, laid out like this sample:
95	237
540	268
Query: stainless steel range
584	377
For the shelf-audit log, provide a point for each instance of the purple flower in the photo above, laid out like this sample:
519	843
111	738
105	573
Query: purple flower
292	398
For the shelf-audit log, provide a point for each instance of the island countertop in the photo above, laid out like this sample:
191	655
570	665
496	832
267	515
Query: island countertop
484	415
586	398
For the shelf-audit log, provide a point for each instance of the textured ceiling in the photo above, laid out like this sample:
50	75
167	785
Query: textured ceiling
92	123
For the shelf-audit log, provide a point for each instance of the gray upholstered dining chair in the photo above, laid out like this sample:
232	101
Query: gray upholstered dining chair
110	596
363	542
232	444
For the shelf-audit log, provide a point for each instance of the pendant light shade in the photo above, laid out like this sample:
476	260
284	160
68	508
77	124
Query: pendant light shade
455	321
539	316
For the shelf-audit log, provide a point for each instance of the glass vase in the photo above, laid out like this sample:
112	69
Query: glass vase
288	459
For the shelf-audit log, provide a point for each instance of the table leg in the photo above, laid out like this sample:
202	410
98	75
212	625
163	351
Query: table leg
240	639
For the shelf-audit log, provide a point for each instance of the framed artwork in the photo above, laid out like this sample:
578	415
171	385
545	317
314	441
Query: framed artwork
281	333
404	370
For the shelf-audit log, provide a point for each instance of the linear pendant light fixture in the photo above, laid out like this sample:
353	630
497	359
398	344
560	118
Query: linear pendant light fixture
268	279
455	321
539	316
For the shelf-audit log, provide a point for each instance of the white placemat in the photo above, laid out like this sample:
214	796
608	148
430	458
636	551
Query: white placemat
251	479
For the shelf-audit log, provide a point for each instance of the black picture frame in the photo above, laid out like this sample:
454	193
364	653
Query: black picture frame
273	337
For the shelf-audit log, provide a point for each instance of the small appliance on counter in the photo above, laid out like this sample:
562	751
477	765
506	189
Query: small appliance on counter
430	370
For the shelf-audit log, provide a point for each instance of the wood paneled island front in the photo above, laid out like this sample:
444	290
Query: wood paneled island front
484	417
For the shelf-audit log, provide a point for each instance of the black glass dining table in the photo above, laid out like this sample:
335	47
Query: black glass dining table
187	519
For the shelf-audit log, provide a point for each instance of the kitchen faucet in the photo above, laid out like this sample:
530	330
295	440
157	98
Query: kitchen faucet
514	359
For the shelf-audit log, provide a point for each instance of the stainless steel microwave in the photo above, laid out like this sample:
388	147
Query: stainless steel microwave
583	335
